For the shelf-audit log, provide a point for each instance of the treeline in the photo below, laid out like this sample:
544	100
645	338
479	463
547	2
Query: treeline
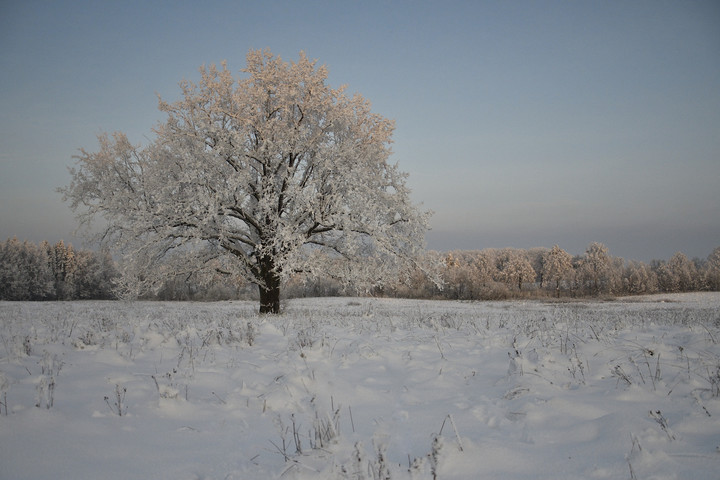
60	272
54	272
494	274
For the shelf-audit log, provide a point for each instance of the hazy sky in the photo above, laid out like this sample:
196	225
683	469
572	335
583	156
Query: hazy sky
520	123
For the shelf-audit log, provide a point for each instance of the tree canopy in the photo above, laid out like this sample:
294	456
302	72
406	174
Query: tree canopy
253	177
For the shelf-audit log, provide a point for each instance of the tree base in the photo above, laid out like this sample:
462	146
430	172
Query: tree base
269	301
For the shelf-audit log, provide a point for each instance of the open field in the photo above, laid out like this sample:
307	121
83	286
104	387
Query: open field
362	389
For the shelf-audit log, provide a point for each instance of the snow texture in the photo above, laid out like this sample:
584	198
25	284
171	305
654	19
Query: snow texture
362	389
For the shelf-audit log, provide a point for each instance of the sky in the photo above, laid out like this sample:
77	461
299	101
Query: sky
520	123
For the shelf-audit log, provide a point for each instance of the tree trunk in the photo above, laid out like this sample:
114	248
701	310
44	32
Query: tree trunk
270	291
270	299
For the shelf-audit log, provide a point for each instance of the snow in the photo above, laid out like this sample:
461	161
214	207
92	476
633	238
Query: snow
362	388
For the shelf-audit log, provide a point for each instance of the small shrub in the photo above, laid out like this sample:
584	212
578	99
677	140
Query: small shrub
45	392
714	379
168	387
4	387
87	339
50	366
250	334
305	338
118	407
620	374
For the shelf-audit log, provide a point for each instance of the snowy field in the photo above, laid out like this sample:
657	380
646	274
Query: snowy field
362	389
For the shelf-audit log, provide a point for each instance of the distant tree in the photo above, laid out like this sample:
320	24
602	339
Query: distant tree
514	268
557	266
62	260
94	275
686	271
450	275
667	280
595	268
485	265
536	257
24	272
638	278
460	276
678	274
419	284
712	270
53	272
252	177
615	275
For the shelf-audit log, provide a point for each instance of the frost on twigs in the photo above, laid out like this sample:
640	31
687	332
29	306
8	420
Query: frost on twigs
4	387
45	391
255	179
118	405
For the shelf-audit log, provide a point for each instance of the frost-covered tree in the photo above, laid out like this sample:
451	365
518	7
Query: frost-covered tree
686	271
459	275
679	274
536	257
93	278
557	266
595	268
24	271
514	268
63	263
484	267
712	270
638	278
254	176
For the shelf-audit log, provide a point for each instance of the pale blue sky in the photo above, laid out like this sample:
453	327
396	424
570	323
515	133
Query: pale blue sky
521	123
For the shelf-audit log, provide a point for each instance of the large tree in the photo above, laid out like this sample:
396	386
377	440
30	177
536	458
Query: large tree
253	177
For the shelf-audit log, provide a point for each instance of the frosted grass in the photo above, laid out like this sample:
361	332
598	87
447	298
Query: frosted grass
362	388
